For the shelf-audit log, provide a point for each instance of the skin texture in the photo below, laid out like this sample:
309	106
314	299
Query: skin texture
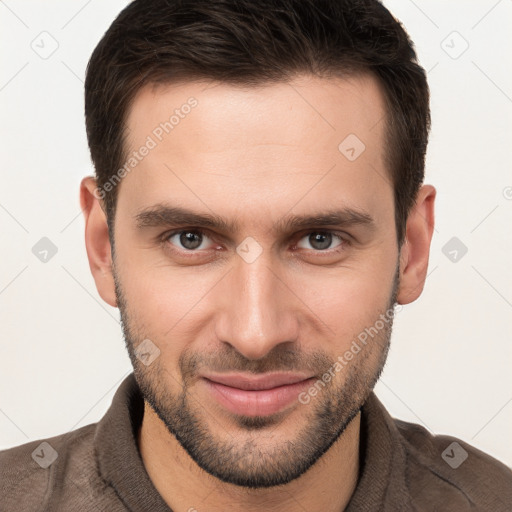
255	156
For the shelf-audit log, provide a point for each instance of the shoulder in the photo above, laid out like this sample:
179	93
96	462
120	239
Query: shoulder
441	467
31	473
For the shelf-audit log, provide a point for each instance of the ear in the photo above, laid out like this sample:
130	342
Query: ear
97	240
415	250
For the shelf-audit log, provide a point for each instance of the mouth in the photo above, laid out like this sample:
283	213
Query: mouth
256	395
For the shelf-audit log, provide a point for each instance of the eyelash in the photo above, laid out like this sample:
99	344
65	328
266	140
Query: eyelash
343	238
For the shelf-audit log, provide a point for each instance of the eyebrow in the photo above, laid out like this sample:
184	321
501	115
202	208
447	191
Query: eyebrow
163	215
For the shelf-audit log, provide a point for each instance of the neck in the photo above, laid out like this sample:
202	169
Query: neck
327	486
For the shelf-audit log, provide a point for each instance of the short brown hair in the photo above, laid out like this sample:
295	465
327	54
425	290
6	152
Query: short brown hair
250	42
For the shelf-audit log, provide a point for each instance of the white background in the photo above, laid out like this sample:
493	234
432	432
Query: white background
61	351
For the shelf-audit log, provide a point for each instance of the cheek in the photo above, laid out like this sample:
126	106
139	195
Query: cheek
167	305
348	300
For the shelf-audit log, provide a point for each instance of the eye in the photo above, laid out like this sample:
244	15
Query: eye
195	240
187	240
322	240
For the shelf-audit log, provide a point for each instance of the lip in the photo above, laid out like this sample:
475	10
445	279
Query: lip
256	395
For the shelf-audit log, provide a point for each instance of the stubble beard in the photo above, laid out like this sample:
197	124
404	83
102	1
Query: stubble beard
234	454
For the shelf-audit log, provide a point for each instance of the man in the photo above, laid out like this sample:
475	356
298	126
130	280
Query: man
257	215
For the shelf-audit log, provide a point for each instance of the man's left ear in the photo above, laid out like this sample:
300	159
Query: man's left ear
415	250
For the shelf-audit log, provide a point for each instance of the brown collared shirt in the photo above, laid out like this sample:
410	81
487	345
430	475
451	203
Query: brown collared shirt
99	468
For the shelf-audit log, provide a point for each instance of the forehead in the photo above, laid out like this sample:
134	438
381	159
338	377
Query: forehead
220	145
331	106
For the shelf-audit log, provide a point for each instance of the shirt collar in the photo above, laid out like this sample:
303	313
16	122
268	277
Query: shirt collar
117	452
381	484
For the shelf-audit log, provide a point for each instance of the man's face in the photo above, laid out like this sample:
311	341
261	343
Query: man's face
260	294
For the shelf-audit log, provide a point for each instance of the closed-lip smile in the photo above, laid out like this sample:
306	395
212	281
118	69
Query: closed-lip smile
256	395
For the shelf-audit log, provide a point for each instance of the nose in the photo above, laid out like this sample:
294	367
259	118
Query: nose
257	309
